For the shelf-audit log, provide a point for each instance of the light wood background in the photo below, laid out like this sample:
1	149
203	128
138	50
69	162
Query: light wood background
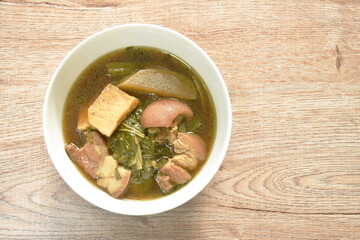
292	170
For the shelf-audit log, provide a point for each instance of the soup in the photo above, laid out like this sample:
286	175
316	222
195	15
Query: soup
139	123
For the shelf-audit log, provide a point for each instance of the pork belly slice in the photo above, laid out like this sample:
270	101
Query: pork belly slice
177	174
81	158
164	182
112	177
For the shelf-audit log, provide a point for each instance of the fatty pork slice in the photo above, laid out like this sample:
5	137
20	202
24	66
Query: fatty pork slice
81	158
164	182
110	108
190	149
96	147
186	160
167	134
89	156
176	174
112	177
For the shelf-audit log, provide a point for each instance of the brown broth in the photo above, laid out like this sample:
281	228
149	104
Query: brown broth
94	79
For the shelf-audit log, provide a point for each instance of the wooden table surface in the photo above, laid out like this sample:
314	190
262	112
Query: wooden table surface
292	170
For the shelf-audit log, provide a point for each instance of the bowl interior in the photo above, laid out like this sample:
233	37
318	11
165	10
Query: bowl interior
96	46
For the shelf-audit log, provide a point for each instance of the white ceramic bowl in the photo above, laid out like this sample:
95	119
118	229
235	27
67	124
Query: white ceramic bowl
96	46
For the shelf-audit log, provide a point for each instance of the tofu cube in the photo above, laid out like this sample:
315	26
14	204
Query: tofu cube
110	108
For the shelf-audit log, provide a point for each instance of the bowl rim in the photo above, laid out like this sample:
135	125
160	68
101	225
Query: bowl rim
175	201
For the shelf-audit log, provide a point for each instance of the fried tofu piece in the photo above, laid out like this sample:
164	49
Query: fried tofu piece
83	121
110	108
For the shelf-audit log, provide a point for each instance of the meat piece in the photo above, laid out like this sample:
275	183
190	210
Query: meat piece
177	174
113	177
107	167
95	138
91	152
190	148
167	134
186	160
96	147
79	156
89	156
110	108
162	113
190	142
164	182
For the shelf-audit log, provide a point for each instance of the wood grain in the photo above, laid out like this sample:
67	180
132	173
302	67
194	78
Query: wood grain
292	170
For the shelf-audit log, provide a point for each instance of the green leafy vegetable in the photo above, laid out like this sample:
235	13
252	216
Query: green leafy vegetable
160	162
182	127
132	130
194	124
131	147
120	69
138	158
148	148
137	54
139	176
163	149
123	147
132	123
